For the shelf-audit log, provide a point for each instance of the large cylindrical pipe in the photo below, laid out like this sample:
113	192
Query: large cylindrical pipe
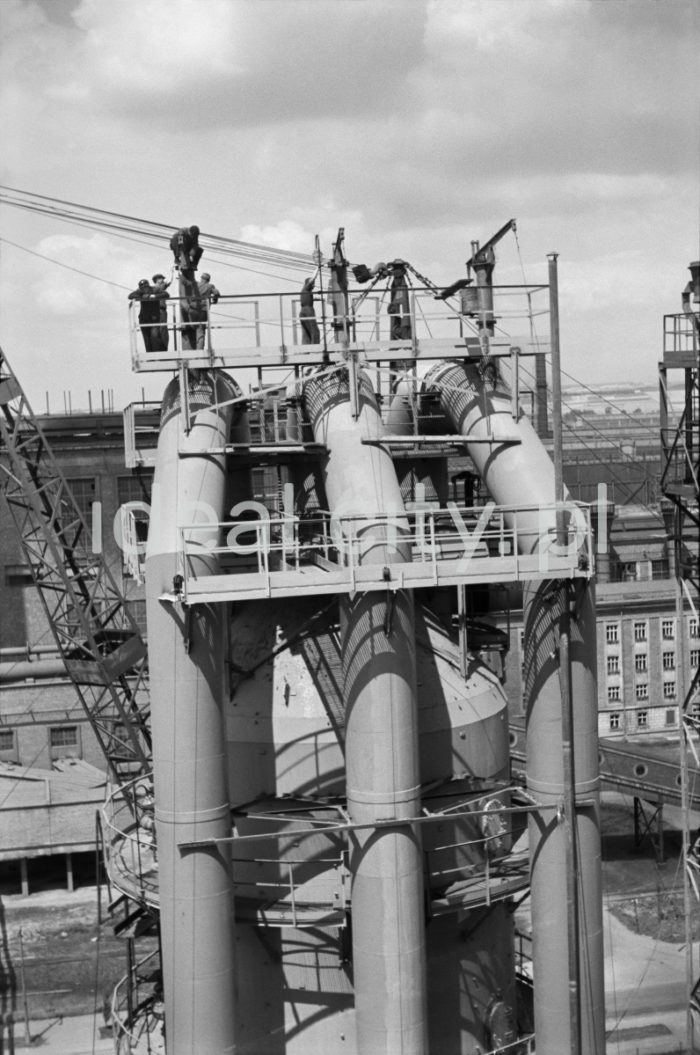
381	738
522	474
186	650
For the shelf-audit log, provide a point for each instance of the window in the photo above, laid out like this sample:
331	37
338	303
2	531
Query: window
134	488
613	693
640	662
669	690
641	691
64	736
640	631
668	629
669	660
695	657
613	664
64	741
612	633
693	629
642	719
18	575
84	493
671	716
614	720
7	742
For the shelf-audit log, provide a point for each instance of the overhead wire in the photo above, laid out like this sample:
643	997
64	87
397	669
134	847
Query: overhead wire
120	223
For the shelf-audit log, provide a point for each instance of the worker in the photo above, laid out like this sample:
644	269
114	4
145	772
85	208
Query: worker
690	296
399	307
149	313
307	314
207	290
160	293
186	248
207	294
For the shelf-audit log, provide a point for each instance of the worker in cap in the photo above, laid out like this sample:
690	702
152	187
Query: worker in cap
161	335
207	294
149	313
186	248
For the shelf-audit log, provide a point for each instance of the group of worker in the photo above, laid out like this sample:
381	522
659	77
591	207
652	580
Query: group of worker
399	308
195	296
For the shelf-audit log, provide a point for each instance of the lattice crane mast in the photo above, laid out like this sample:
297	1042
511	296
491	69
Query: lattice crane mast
96	634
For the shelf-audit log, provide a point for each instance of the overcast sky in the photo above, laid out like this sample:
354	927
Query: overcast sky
419	125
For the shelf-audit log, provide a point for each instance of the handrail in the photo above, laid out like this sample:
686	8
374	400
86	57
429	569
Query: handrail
274	320
132	1018
423	537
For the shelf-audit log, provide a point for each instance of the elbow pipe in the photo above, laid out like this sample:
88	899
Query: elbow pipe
381	741
187	678
522	475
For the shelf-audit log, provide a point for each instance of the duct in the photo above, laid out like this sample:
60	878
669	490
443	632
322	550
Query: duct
186	647
520	475
381	740
39	668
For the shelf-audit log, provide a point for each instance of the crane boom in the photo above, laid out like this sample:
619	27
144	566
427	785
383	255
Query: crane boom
94	630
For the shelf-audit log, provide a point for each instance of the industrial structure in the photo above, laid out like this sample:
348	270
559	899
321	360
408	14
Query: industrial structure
315	801
337	835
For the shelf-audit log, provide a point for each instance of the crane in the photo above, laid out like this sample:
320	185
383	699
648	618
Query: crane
95	633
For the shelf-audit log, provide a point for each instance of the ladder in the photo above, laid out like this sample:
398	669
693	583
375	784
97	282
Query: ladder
96	634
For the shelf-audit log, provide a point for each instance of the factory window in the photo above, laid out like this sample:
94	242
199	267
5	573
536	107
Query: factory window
640	662
642	719
693	630
671	716
612	633
669	660
84	491
18	575
612	664
641	691
134	488
668	629
8	744
640	631
695	657
613	693
64	736
614	720
669	690
64	741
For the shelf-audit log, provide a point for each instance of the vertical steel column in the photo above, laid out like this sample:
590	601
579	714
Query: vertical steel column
187	677
381	742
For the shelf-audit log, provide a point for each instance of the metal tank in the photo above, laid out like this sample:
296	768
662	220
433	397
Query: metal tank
188	692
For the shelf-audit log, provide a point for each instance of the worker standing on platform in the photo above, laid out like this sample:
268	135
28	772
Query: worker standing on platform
160	293
307	313
149	313
186	248
207	294
691	295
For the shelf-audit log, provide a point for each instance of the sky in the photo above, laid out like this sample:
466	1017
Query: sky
417	125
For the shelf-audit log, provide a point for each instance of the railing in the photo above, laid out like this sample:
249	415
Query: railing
137	1008
680	338
226	333
141	420
396	550
130	848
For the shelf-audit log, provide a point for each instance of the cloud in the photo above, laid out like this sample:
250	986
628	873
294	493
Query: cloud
214	63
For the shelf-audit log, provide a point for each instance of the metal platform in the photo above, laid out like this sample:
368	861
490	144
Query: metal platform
265	331
330	554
